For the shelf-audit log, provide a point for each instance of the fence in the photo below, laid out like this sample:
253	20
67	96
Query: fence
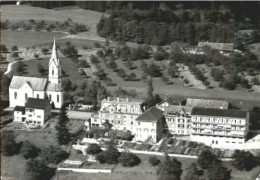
86	170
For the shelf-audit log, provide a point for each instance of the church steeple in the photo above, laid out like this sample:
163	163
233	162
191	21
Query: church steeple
54	66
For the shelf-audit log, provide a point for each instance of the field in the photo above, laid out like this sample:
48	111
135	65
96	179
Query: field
69	67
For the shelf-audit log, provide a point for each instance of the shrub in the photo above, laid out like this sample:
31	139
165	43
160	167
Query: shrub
206	158
97	45
36	169
129	159
9	145
93	149
244	160
109	156
154	161
28	150
54	154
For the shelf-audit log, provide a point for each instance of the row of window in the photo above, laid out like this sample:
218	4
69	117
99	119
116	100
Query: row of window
219	120
37	96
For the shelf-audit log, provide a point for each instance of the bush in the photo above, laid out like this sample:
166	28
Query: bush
244	160
38	170
154	161
28	150
54	154
97	45
109	156
129	159
206	158
14	48
9	145
93	149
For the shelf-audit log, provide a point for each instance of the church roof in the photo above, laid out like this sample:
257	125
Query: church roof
37	84
53	87
37	103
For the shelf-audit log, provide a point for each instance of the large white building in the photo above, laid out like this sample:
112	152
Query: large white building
22	88
120	112
220	128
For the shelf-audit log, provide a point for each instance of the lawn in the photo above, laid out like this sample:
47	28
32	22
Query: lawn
13	167
24	12
104	176
67	65
27	38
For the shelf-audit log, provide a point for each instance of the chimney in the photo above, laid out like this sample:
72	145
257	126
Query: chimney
127	99
108	98
117	99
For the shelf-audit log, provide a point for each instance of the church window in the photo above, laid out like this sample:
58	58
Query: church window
26	96
37	96
50	97
15	95
58	98
52	71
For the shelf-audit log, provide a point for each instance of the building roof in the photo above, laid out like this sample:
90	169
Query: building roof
178	109
53	87
37	103
207	103
170	101
37	84
219	112
19	108
151	115
217	46
122	100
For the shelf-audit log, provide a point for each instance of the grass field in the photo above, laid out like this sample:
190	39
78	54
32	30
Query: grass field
30	69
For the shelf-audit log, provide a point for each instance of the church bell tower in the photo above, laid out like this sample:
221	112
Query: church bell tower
54	66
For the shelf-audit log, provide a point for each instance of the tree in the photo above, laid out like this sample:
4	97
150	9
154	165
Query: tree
40	68
66	85
38	170
5	85
244	160
54	154
154	161
160	54
129	159
153	70
14	48
149	93
217	172
109	156
93	149
15	55
205	158
9	145
107	124
28	150
170	168
193	173
44	50
63	134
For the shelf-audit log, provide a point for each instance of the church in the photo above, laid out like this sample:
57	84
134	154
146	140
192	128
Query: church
21	87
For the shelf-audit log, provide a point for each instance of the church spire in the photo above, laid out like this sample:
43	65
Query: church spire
54	66
54	55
